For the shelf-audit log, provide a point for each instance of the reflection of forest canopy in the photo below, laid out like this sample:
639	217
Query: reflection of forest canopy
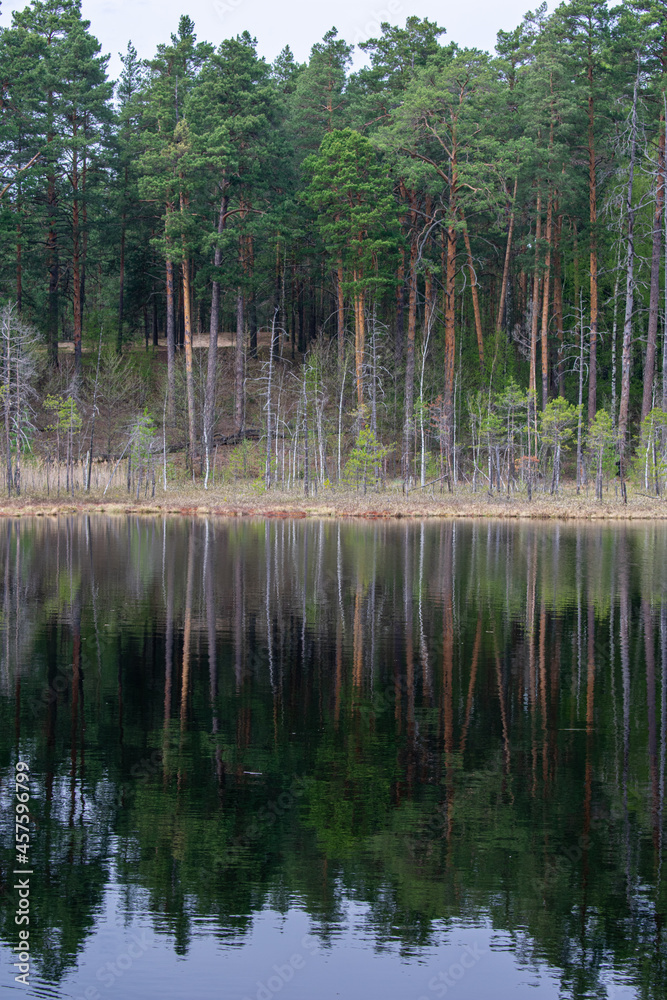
438	720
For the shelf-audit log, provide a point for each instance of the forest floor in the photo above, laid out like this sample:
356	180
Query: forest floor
241	499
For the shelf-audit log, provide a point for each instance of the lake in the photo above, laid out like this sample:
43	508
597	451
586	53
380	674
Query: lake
297	759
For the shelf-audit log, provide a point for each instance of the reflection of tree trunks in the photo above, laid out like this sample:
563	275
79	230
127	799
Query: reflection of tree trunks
448	676
663	714
503	710
543	692
590	673
187	627
52	642
76	667
339	669
7	593
649	651
267	603
555	698
471	684
448	650
530	635
168	656
119	692
238	619
624	642
588	779
209	599
357	643
427	682
409	644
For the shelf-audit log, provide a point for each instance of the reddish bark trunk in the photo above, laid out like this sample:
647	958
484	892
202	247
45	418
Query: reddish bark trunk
652	335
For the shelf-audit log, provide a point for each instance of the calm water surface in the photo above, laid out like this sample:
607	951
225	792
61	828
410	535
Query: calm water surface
305	759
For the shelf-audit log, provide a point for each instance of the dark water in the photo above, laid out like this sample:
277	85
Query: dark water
316	759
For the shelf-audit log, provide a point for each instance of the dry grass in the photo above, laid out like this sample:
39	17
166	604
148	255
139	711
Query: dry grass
243	499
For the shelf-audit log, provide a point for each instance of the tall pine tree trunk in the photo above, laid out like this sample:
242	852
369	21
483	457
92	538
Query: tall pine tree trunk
76	264
121	277
505	281
340	312
189	379
664	331
209	398
475	296
654	297
592	211
558	301
506	265
359	341
626	358
53	263
238	364
252	304
121	286
84	230
400	294
410	351
532	383
187	341
450	312
171	330
450	345
545	307
54	272
19	245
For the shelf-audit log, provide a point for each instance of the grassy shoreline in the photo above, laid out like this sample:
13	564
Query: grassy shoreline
246	501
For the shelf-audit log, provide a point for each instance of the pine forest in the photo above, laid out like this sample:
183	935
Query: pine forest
445	269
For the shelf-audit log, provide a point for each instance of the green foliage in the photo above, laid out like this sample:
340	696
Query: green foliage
143	436
364	462
245	460
557	422
65	415
355	209
602	444
652	452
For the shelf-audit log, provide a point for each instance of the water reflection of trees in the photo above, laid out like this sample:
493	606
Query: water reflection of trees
475	716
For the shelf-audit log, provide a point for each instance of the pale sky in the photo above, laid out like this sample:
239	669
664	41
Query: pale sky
296	23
